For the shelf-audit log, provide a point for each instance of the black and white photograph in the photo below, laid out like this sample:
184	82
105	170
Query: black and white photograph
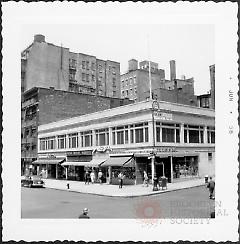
121	119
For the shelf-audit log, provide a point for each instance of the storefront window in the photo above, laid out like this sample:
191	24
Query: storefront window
61	141
86	138
102	137
73	140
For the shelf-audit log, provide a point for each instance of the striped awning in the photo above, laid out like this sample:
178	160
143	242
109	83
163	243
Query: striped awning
92	163
117	161
48	161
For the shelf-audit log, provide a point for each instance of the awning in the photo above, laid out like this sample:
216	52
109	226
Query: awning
75	163
48	161
92	163
117	161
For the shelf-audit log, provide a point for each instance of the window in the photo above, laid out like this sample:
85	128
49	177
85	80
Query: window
73	140
87	65
166	132
93	78
120	135
61	141
114	82
130	81
100	68
72	63
122	94
51	143
93	66
134	80
210	156
87	77
83	65
211	134
113	70
114	93
72	75
126	93
86	138
43	144
122	84
102	137
83	76
193	134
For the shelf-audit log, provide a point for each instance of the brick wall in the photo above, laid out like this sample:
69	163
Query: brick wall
56	105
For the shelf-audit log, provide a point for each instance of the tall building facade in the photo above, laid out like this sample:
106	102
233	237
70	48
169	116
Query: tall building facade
135	84
43	105
47	65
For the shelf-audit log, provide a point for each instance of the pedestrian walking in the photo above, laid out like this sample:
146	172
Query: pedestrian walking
120	179
87	178
84	214
100	174
92	176
145	178
211	187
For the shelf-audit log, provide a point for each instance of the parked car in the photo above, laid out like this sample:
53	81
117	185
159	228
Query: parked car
33	180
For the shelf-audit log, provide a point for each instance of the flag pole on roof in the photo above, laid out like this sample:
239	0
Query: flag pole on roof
149	71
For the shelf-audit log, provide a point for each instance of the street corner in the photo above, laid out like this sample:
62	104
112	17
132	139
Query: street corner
148	212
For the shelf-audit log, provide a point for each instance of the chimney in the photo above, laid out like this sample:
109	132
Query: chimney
39	38
172	70
132	64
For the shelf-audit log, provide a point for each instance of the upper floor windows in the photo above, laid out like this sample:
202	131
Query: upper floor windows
193	134
166	132
102	137
211	134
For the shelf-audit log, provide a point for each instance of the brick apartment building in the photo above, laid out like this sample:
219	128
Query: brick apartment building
43	105
208	100
47	65
135	84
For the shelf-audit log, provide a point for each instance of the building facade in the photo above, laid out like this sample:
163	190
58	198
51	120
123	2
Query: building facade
163	139
47	65
135	84
41	105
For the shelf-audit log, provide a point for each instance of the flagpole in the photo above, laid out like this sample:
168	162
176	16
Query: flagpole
149	71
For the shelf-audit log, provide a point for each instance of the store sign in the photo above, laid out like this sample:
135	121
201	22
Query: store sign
102	149
162	115
77	153
165	149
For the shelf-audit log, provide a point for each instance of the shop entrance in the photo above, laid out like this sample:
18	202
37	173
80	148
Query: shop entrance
163	164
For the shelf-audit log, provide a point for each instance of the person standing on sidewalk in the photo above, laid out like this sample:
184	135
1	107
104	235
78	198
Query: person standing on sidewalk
145	178
211	187
120	179
92	176
87	178
100	176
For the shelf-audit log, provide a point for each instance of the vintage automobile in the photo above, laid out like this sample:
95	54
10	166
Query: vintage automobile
31	181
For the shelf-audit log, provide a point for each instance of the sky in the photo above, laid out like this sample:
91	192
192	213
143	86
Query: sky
190	45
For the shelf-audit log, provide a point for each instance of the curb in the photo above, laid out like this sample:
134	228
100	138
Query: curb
127	196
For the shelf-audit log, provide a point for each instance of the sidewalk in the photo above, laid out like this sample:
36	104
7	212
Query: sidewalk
114	191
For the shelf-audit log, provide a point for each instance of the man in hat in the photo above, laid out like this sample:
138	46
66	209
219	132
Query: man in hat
84	215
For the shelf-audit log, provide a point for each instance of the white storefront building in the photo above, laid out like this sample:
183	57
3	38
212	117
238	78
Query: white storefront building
161	138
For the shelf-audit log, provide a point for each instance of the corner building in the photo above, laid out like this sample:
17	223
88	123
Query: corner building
164	139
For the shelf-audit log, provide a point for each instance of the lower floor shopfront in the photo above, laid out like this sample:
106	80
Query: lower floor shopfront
174	163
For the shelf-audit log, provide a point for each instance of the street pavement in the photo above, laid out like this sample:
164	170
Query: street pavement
51	203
